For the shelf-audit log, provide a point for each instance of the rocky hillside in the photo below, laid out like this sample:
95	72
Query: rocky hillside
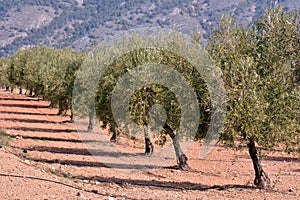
79	23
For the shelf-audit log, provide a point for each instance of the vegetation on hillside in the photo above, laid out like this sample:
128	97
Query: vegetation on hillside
77	25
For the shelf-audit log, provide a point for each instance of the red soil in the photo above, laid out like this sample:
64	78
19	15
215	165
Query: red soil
45	159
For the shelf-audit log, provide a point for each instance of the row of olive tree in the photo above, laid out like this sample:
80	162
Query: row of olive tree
45	72
260	70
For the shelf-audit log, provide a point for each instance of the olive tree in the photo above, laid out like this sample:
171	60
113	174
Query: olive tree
259	66
123	68
4	64
58	77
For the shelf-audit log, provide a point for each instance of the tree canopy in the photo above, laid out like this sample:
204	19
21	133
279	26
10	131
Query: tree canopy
259	66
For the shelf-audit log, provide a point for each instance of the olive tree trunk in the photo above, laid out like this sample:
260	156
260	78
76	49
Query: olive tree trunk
148	144
180	156
91	121
261	180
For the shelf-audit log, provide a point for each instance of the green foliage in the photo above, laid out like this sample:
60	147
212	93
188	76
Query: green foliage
4	138
59	76
46	71
143	99
4	64
106	63
259	67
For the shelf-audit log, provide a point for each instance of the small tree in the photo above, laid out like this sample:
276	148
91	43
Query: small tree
59	75
4	64
259	67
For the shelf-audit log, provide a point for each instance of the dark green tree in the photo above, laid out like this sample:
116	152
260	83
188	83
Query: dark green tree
4	64
259	66
58	77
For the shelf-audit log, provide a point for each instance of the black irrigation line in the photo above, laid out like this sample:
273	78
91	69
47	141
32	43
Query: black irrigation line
57	182
282	192
41	179
63	184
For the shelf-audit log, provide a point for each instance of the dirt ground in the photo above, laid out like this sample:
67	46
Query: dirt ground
46	159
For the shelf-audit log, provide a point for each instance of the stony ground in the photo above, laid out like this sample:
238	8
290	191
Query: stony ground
44	158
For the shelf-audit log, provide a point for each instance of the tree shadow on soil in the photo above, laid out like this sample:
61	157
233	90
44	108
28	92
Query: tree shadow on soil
30	120
78	163
281	159
19	99
274	158
26	113
49	130
166	185
54	139
24	105
83	151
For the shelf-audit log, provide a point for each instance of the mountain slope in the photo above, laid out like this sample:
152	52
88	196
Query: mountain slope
79	23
